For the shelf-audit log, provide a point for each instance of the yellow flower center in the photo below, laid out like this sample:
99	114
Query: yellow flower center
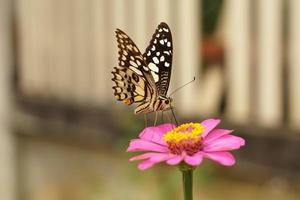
186	137
188	131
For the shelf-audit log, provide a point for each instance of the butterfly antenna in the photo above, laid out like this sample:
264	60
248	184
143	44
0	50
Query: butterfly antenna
183	86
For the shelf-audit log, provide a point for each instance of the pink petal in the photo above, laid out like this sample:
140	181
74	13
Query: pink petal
194	160
153	156
224	143
215	134
175	160
156	133
209	124
143	145
146	164
154	159
223	158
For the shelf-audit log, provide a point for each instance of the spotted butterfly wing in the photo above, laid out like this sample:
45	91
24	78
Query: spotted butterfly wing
158	56
137	80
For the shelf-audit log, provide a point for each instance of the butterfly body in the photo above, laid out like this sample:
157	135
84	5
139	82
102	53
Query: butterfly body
144	78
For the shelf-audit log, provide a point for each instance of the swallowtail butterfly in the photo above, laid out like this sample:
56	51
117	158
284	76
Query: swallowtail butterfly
144	78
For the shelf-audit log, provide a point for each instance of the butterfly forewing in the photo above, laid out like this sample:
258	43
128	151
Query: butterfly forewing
132	77
158	56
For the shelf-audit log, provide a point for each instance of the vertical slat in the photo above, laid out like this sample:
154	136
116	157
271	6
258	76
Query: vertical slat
30	18
98	86
237	41
7	143
294	63
141	24
113	13
269	72
162	10
60	32
119	13
187	53
81	49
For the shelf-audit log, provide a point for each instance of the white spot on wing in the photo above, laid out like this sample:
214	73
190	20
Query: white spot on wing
155	41
145	68
153	48
162	58
153	67
149	53
158	53
161	41
155	76
123	57
136	70
155	59
165	29
169	44
167	64
133	64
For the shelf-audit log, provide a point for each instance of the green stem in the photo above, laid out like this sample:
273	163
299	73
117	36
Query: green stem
187	180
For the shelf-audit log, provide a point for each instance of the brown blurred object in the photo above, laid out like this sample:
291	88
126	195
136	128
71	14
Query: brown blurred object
212	51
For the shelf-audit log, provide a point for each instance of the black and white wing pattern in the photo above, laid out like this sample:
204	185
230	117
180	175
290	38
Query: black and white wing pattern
158	56
133	80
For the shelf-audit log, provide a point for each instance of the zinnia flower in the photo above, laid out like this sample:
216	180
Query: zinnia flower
188	143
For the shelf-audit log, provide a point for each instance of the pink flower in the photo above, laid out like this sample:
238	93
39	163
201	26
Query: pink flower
188	143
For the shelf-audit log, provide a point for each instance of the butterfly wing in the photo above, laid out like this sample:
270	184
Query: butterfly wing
133	80
158	56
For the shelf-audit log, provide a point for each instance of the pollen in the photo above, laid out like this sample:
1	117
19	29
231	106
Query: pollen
186	137
188	131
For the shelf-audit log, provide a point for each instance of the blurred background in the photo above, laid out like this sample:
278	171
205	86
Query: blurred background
64	136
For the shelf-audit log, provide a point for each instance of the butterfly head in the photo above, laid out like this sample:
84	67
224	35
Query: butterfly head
165	102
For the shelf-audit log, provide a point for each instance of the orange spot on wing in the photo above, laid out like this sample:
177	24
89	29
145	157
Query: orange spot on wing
128	101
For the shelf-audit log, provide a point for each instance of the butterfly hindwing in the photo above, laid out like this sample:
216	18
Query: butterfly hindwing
158	56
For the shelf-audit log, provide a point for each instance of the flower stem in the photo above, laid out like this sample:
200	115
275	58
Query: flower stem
187	180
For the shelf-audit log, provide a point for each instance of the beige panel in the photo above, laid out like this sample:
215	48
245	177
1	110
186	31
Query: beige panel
294	63
237	45
98	76
33	55
81	51
7	141
269	66
187	51
140	27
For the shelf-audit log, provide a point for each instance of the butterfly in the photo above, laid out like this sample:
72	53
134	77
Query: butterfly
144	78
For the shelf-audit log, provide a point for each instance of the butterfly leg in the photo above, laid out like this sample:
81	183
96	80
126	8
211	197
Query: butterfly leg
174	117
145	118
155	121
